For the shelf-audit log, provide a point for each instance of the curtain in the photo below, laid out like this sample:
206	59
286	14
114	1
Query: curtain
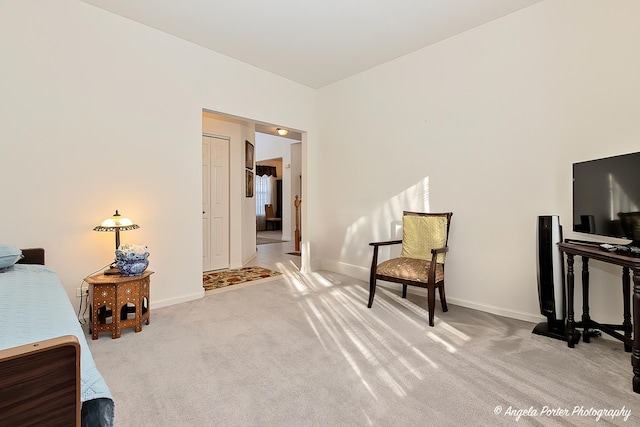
266	170
264	195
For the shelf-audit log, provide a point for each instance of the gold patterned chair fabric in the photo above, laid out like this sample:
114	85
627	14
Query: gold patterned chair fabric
422	259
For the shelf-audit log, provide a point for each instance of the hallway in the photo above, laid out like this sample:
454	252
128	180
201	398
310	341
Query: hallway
274	256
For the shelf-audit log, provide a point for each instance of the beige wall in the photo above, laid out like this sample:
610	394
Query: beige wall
100	113
485	124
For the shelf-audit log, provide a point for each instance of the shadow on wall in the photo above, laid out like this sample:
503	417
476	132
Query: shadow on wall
366	229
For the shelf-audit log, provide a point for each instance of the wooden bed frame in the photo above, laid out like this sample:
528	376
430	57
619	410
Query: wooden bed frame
40	382
32	256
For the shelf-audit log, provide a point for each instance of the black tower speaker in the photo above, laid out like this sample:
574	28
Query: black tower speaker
551	286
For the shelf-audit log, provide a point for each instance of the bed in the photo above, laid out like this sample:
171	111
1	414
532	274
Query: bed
47	373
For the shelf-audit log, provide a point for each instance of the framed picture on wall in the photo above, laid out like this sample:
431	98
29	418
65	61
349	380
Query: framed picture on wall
249	183
248	155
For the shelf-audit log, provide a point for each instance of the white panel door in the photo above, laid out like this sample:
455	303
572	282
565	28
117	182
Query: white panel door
215	203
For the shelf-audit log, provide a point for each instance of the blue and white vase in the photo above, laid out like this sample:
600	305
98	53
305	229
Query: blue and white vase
132	259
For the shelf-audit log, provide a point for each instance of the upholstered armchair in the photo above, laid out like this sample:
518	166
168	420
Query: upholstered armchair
421	261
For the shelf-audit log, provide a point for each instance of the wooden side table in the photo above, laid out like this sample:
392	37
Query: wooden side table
630	325
111	296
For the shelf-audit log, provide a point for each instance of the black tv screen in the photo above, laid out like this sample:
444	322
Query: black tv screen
606	197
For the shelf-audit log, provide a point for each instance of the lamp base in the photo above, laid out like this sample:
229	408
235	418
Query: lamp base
111	271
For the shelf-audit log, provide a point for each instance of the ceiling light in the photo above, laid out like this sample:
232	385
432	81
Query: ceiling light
282	132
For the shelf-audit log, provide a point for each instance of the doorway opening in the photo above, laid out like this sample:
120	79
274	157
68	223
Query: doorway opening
268	193
278	183
266	146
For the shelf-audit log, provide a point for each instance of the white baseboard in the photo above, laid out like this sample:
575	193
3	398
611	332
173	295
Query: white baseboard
355	271
528	317
362	273
171	301
247	261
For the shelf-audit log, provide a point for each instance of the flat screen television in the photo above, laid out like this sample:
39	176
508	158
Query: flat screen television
606	197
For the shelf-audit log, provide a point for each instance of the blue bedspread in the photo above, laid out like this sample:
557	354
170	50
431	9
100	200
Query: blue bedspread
33	307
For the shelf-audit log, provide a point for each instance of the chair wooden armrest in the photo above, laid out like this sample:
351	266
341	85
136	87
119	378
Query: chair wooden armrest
434	261
388	242
374	260
440	250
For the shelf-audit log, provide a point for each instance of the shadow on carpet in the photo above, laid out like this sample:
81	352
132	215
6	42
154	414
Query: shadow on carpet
223	278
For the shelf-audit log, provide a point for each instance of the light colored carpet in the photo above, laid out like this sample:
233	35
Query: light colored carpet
222	278
304	350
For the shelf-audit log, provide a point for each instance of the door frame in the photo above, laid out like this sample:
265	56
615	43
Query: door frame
227	226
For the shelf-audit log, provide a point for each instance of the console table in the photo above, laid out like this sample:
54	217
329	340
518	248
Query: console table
111	295
628	327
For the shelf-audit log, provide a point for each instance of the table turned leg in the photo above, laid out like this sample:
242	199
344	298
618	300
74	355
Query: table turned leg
635	354
570	319
139	315
144	300
586	318
93	318
626	297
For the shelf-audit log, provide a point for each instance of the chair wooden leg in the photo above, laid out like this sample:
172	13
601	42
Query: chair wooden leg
443	299
372	276
404	291
372	291
431	302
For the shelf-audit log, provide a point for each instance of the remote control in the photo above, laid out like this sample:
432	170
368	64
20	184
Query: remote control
608	247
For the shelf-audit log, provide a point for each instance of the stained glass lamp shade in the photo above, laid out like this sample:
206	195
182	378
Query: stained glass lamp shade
116	223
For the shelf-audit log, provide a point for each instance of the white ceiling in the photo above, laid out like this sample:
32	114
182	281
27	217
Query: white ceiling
314	43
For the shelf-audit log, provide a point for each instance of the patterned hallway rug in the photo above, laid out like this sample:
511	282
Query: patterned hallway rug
222	278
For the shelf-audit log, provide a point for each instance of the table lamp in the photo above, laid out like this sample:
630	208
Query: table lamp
116	223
